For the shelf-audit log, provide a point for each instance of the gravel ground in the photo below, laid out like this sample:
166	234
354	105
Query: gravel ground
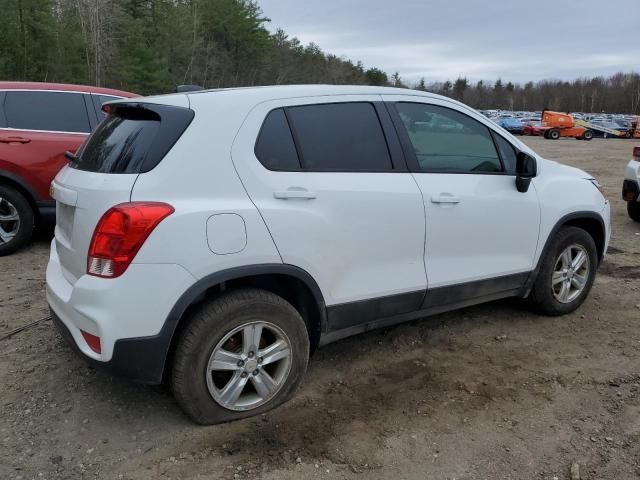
490	392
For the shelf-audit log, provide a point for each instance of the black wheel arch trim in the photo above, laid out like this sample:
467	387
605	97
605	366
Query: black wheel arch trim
144	359
581	215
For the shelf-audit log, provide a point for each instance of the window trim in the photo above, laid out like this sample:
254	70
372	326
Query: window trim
3	120
3	96
389	134
409	152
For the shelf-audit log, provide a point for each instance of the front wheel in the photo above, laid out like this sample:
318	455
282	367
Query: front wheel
567	273
554	134
587	135
241	354
633	209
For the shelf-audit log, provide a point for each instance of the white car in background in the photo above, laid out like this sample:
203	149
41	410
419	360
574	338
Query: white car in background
216	238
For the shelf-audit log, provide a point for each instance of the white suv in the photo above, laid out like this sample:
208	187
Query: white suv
216	238
631	186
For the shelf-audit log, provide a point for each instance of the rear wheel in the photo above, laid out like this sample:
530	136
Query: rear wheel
567	273
242	354
16	220
554	134
633	209
587	135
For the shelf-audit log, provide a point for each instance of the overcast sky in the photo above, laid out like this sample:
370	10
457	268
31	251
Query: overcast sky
516	40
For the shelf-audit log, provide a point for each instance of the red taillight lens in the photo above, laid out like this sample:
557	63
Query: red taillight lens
92	341
636	154
119	235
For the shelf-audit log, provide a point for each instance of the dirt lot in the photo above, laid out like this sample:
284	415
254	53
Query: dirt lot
491	392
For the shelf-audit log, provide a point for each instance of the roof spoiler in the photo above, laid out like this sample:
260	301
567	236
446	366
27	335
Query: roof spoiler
188	88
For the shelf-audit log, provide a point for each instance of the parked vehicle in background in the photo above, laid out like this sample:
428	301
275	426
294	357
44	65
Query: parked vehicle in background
511	125
631	186
605	128
226	234
563	125
533	128
38	123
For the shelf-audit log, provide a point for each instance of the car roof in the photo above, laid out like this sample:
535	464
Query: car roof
277	92
64	87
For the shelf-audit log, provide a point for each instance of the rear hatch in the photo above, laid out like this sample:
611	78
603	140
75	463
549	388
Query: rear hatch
130	141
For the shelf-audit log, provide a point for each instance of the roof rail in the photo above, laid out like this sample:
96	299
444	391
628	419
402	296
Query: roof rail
188	88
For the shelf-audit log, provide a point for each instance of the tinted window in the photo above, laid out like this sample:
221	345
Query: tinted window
445	140
340	137
120	143
507	153
275	148
54	111
102	99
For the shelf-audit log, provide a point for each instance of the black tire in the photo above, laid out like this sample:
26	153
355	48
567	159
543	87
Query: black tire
587	135
11	199
209	326
545	134
554	134
541	297
633	209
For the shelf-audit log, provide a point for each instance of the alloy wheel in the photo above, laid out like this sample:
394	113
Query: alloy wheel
249	366
570	274
9	221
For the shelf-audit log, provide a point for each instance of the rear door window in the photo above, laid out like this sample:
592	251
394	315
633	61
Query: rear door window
275	148
340	137
48	111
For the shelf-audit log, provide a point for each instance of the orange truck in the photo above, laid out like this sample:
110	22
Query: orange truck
563	125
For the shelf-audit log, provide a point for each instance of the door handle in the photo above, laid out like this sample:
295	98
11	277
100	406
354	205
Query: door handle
294	192
445	198
4	139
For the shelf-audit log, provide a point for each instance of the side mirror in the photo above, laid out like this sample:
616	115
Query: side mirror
526	169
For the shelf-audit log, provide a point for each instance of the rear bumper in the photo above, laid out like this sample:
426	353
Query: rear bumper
128	314
141	360
47	212
631	183
606	218
630	191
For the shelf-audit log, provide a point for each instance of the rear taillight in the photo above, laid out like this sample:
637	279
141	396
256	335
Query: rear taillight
119	235
636	154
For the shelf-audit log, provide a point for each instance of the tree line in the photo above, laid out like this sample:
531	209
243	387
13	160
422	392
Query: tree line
150	46
619	93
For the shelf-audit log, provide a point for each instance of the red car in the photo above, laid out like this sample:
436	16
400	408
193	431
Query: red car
533	128
38	123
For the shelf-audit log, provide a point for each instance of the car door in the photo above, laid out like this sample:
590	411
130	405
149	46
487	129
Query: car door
328	180
39	126
479	227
